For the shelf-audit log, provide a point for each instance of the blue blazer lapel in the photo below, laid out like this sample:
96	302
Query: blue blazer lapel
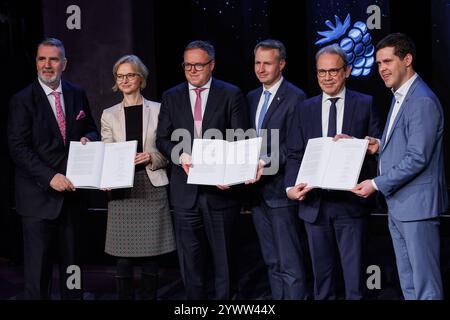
42	102
213	101
349	109
276	101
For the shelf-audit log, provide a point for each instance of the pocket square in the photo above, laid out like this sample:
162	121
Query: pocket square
81	115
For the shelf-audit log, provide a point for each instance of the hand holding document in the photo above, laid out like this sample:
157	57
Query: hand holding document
334	165
98	165
219	162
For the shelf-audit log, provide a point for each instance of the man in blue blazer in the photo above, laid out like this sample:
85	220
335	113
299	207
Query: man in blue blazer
333	219
272	108
43	119
411	169
203	215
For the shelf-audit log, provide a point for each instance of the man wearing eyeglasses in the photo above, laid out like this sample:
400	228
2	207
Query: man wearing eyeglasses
333	219
203	215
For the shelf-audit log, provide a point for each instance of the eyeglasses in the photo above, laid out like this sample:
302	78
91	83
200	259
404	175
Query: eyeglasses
197	66
332	72
128	76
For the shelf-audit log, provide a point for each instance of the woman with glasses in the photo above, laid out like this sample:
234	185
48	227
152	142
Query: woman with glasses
139	227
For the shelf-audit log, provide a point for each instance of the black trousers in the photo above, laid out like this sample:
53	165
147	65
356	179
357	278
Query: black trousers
198	230
45	240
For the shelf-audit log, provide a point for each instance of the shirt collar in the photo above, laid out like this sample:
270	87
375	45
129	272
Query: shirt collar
274	88
340	95
48	91
205	86
403	90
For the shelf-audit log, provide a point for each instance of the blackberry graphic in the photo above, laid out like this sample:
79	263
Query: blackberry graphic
356	43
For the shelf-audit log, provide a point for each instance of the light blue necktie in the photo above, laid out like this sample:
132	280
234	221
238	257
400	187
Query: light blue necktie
262	114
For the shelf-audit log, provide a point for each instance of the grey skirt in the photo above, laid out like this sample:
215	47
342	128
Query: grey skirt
139	222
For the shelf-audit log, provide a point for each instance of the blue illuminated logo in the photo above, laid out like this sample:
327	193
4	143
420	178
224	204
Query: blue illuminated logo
356	43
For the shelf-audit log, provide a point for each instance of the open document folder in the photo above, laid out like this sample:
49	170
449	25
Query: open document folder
219	162
334	165
99	165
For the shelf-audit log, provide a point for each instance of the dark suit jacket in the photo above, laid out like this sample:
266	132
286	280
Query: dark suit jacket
37	148
361	119
412	177
278	117
225	109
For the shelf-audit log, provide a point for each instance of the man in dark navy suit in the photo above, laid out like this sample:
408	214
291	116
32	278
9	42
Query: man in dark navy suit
203	215
332	218
272	107
43	119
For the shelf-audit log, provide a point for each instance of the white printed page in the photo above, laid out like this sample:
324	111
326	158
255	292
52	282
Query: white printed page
208	162
242	160
118	165
314	162
84	165
344	168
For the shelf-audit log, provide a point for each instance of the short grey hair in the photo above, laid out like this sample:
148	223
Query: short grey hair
272	44
333	49
140	67
53	42
203	45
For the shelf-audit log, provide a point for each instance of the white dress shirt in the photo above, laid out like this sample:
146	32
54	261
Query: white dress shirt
273	91
51	98
326	104
204	95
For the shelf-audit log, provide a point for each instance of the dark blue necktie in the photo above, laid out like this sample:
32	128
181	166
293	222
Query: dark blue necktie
332	118
262	114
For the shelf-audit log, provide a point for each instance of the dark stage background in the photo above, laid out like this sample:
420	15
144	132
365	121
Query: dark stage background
157	31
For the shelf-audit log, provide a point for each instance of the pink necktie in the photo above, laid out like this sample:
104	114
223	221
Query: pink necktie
60	115
198	111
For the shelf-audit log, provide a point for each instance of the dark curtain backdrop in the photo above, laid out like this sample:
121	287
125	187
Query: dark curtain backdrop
20	30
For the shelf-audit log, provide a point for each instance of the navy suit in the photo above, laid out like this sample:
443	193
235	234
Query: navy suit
204	215
274	215
333	217
412	179
38	151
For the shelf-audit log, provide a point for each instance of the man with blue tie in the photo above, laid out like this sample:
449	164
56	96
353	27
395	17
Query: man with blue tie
411	170
272	107
333	219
